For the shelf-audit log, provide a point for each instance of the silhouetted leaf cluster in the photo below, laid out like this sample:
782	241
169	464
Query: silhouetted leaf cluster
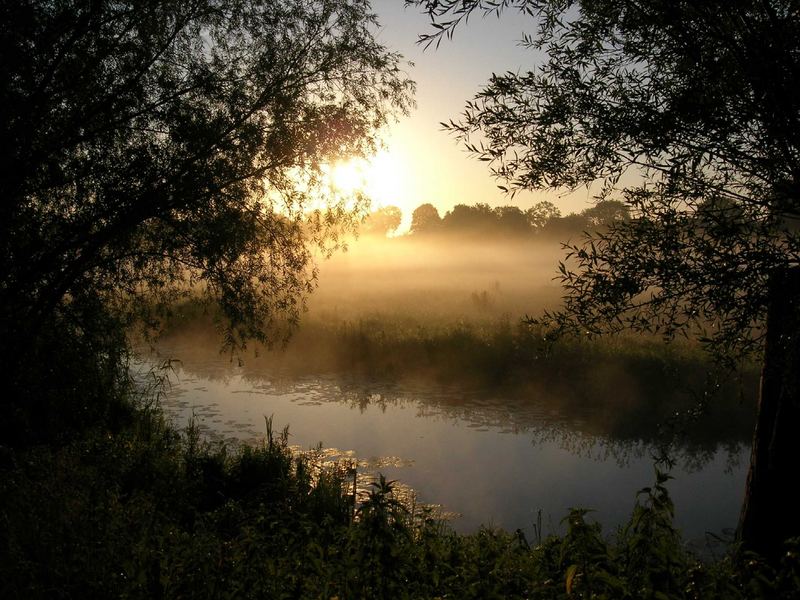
153	150
688	113
688	117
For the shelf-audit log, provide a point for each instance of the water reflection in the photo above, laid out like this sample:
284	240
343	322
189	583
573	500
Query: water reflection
493	456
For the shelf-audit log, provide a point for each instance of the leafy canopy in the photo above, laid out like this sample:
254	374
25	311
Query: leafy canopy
152	148
688	113
425	218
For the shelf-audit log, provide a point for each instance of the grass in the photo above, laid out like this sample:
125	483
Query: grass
637	389
150	512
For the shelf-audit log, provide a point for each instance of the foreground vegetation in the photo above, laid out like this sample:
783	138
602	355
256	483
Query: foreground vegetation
132	508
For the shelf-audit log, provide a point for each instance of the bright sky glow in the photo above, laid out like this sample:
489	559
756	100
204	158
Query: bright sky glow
379	177
420	162
348	176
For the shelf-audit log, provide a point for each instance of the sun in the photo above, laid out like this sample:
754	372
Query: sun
378	177
349	176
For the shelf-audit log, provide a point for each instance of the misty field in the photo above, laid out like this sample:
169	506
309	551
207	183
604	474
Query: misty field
454	312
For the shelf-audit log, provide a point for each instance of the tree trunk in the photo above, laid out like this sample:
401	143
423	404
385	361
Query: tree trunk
771	510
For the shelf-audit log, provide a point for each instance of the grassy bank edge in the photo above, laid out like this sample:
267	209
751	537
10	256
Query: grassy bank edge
136	509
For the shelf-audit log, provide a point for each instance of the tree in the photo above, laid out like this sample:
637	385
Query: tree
382	221
511	220
464	219
425	219
607	212
689	114
152	148
542	212
568	227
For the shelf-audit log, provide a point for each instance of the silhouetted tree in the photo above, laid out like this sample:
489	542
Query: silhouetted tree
694	106
463	218
540	213
511	220
153	147
425	219
382	222
606	213
568	227
482	220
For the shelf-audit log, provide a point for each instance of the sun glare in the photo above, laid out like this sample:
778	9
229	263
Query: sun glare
378	178
385	181
349	177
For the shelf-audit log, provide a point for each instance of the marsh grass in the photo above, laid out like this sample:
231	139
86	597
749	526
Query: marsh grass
634	388
491	349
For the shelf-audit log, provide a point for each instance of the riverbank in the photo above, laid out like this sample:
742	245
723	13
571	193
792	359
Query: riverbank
638	388
135	509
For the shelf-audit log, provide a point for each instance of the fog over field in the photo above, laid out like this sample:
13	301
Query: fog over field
431	311
438	280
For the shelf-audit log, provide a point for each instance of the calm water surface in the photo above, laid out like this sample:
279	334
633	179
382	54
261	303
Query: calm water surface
489	459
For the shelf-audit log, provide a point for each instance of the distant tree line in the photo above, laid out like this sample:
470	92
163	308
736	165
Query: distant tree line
541	219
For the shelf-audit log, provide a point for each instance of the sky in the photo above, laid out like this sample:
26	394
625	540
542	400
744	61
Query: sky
422	163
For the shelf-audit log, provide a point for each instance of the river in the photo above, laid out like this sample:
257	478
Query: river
484	457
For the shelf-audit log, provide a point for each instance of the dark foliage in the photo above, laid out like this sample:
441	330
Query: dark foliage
151	513
688	115
155	149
